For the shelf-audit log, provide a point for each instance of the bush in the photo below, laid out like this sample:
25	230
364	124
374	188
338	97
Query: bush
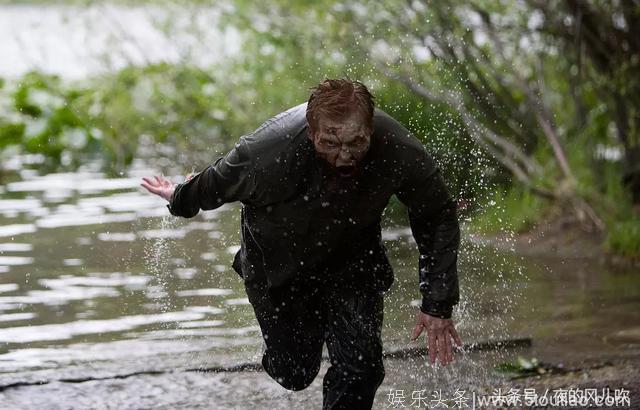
512	209
623	238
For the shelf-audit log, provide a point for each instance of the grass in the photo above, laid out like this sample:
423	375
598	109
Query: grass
623	238
511	210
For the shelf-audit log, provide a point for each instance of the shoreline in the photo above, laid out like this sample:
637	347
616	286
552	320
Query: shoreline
555	239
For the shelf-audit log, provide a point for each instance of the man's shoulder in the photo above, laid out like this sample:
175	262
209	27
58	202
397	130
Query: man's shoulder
292	119
274	145
279	132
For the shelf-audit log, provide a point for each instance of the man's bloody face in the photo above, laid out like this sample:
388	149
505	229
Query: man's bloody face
342	143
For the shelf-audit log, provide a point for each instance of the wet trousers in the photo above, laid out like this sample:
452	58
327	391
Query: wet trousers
296	326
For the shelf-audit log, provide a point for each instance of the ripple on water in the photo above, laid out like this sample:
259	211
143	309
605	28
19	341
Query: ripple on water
126	202
16	229
29	334
120	350
8	287
59	296
179	333
204	226
72	262
16	260
209	256
73	182
177	233
117	236
238	301
204	292
19	205
96	279
201	323
205	309
15	247
14	317
72	219
185	273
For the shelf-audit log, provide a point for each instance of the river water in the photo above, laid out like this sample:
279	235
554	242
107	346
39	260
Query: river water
76	40
94	271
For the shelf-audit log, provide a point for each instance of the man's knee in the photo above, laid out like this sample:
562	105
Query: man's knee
292	374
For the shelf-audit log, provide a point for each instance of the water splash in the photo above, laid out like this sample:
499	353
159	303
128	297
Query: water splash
157	258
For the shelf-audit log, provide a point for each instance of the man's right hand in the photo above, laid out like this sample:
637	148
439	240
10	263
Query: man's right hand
160	186
439	335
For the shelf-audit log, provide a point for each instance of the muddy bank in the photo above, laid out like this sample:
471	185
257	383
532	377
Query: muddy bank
559	238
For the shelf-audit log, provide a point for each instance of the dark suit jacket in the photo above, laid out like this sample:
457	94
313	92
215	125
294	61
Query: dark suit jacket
296	228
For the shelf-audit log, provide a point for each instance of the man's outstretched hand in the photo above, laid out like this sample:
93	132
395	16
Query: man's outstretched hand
438	337
160	186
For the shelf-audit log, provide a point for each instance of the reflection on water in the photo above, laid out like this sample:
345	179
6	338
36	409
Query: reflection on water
16	229
68	330
92	268
16	316
15	260
204	292
15	247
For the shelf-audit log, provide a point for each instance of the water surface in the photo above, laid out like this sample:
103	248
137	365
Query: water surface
94	270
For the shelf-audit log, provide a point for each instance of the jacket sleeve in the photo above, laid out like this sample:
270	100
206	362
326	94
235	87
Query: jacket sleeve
434	224
230	178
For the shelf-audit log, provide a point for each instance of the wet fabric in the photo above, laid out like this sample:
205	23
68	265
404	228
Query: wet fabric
298	222
295	328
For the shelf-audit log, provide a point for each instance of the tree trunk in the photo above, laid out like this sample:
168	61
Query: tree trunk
631	173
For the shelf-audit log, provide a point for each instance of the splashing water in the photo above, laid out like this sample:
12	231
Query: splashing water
157	257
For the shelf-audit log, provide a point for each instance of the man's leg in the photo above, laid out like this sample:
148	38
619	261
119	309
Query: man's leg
293	334
354	324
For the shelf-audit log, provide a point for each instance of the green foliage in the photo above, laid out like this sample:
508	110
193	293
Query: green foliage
38	113
623	238
526	368
514	210
299	44
172	108
523	82
182	107
200	113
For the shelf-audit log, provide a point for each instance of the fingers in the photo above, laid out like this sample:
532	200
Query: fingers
447	335
150	188
448	348
440	341
153	185
416	331
456	338
432	346
440	348
148	181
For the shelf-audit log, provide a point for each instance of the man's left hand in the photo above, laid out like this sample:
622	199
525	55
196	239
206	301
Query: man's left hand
438	337
160	186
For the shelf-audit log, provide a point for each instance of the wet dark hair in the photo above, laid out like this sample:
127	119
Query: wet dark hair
335	99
